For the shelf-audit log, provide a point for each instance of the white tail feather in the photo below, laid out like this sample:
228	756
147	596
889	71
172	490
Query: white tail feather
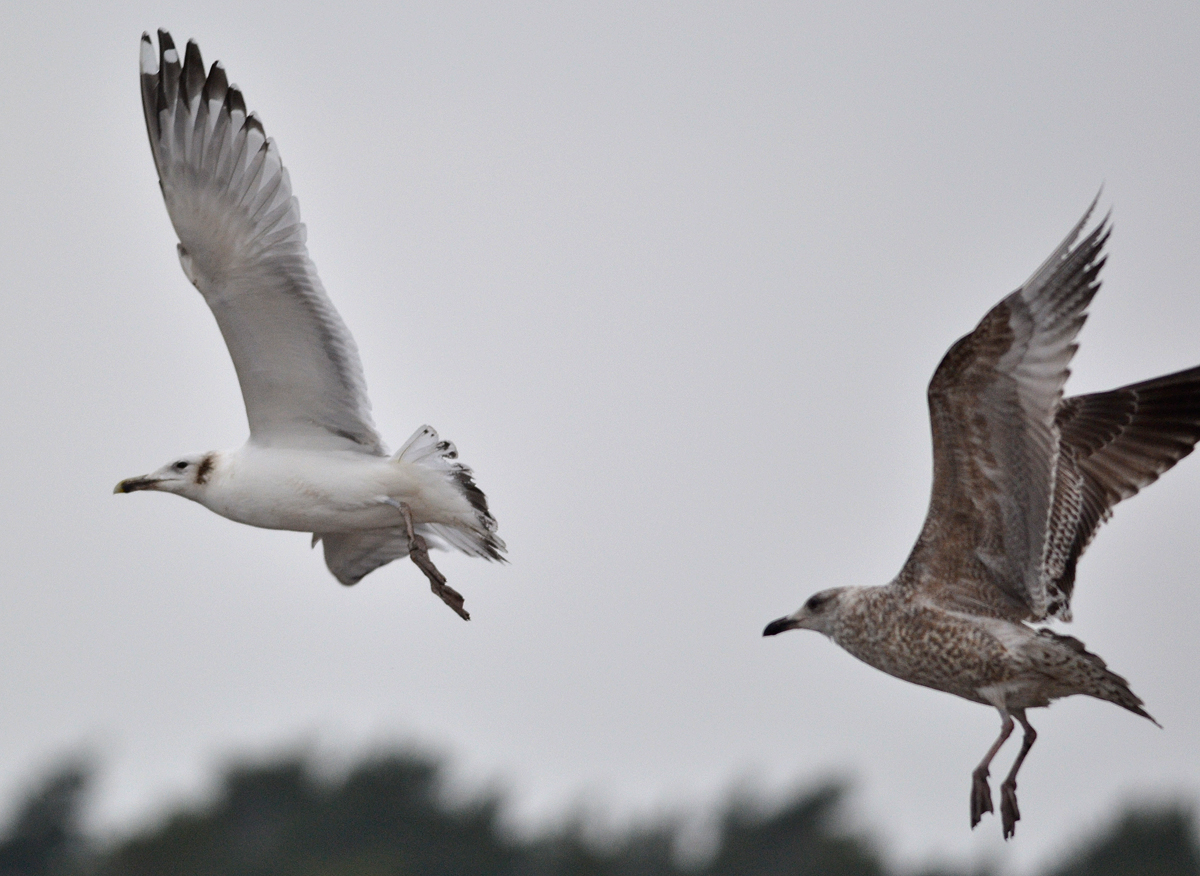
426	449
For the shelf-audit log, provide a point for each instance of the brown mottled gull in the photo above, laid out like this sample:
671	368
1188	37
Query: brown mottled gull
1022	479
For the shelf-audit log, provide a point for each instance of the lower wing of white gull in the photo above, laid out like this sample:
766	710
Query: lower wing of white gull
351	556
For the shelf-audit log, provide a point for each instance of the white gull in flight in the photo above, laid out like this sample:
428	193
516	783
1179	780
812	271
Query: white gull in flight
313	462
1022	479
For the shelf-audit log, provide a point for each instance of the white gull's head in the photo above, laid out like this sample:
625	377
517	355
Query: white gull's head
185	476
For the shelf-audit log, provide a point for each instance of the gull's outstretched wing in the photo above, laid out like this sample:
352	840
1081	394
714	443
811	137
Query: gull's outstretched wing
241	242
992	404
1113	444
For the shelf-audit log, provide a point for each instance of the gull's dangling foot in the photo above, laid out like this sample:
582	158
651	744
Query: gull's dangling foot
981	795
418	552
1009	813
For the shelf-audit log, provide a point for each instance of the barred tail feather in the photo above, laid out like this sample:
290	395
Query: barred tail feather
1115	689
1099	681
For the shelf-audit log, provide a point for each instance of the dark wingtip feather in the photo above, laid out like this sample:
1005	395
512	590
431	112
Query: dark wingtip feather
153	99
216	85
234	102
168	71
148	68
192	80
254	123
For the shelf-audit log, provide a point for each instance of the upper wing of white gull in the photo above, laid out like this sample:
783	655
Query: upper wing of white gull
992	404
242	244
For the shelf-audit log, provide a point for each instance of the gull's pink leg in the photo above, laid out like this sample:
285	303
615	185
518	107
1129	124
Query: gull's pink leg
981	794
1009	813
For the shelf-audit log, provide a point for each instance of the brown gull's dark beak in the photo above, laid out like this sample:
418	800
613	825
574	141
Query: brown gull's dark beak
782	625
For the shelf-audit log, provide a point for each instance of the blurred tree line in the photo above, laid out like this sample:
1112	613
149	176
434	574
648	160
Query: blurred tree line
389	816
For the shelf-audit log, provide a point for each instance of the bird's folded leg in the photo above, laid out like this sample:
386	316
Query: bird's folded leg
418	552
981	794
1009	813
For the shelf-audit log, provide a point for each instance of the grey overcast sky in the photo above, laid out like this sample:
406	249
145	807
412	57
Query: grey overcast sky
674	278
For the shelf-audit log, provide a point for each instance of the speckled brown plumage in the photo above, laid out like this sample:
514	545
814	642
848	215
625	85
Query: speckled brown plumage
1021	481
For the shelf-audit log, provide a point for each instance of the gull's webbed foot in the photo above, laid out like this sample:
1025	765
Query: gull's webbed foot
1009	813
981	796
418	552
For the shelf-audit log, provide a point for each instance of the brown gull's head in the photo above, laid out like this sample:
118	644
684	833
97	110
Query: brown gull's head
816	614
